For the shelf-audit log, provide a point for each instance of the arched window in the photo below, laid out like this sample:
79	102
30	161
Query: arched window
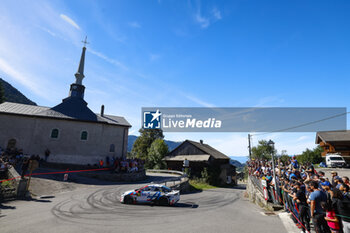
54	133
84	135
112	148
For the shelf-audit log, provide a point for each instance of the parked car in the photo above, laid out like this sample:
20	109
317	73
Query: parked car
335	160
154	194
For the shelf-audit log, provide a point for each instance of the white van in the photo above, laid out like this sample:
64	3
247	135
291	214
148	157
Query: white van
335	160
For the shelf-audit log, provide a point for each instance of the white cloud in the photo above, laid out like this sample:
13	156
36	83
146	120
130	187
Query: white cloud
21	77
70	21
302	138
217	14
134	24
202	21
110	60
198	101
47	30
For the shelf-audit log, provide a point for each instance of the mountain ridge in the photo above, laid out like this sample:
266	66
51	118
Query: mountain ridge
11	94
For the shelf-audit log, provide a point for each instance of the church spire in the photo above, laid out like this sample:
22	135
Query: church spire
79	75
77	89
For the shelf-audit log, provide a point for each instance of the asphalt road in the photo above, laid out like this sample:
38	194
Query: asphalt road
341	171
96	208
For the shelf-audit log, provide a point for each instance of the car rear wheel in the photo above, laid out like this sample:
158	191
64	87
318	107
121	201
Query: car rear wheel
163	201
128	200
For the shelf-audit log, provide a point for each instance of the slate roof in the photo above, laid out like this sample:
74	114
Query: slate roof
207	150
197	158
333	136
69	111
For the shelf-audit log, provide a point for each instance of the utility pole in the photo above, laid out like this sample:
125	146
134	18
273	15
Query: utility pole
249	147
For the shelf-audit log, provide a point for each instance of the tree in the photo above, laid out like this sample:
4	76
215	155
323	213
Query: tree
263	150
313	156
156	154
2	93
144	142
284	157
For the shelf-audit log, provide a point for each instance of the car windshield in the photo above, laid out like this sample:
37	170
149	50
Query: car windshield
146	188
336	158
166	189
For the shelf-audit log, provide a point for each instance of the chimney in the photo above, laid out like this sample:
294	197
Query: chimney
102	110
201	141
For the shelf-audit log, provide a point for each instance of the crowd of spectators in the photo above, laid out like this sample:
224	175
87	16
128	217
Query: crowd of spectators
9	158
15	158
20	161
307	194
121	165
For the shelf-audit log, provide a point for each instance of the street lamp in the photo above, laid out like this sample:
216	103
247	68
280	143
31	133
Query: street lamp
272	145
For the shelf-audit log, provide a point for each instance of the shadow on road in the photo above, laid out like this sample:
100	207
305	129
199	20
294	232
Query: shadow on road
47	197
186	205
6	207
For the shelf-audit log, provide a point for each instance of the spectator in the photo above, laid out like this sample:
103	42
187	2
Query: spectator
47	154
337	181
101	163
24	167
334	174
344	211
317	213
300	198
331	218
345	190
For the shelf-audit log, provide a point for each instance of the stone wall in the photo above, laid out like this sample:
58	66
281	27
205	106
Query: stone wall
256	196
15	188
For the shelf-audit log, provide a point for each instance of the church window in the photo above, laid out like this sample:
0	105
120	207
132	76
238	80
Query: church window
54	133
112	148
84	135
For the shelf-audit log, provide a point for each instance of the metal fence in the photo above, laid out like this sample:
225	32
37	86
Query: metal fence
173	182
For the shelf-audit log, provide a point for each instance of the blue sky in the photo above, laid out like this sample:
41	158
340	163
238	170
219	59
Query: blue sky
182	54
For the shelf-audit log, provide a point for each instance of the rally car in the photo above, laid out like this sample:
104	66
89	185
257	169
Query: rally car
153	193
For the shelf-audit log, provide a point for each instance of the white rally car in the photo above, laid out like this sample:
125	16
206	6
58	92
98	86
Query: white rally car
153	193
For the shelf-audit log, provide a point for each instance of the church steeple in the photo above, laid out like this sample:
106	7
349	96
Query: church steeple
79	75
77	89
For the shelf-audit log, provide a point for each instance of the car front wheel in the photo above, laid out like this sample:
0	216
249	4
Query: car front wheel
128	200
163	201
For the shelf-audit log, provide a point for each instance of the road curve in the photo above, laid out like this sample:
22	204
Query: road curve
98	209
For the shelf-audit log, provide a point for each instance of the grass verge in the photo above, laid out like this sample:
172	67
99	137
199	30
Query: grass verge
197	185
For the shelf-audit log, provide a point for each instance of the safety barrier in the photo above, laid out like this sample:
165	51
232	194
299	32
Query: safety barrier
263	195
180	182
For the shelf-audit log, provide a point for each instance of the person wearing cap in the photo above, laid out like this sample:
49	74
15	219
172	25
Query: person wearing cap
338	181
327	187
317	213
334	174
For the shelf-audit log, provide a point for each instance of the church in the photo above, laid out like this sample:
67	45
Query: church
70	130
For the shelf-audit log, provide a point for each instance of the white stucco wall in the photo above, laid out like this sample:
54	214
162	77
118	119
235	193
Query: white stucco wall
33	135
